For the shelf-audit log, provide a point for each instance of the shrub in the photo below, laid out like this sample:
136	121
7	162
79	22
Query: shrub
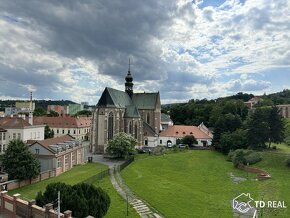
253	158
83	199
244	156
274	147
239	159
288	162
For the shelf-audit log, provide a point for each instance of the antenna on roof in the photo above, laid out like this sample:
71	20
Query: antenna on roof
129	66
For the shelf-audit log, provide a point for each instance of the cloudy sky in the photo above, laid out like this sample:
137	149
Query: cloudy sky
63	49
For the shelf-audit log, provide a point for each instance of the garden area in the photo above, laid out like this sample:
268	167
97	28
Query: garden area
76	175
203	184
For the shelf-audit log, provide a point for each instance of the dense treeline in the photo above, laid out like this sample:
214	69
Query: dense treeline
38	103
207	111
233	126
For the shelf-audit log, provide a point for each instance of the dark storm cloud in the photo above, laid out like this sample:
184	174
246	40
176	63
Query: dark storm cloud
107	32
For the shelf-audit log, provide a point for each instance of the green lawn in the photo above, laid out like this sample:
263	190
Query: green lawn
79	174
118	207
197	183
75	175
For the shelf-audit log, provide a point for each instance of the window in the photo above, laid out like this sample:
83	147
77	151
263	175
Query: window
0	148
3	135
148	118
0	136
63	131
34	134
136	131
58	162
131	127
38	134
36	150
19	135
14	135
68	131
4	148
146	142
110	126
74	131
160	142
57	131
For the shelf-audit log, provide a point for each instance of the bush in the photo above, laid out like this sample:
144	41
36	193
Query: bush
83	199
239	159
253	158
274	147
288	162
243	156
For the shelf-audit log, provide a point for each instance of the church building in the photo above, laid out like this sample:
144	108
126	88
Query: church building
137	114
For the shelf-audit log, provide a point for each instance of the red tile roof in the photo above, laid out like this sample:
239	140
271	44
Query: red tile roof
180	131
13	122
63	122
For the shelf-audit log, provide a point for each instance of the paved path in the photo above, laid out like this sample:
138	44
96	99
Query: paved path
139	205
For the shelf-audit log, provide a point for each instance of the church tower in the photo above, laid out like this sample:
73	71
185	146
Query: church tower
129	83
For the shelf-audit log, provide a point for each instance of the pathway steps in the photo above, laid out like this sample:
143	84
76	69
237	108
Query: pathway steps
139	205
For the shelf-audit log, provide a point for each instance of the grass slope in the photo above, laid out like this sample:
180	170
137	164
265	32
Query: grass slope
75	175
118	207
197	183
78	174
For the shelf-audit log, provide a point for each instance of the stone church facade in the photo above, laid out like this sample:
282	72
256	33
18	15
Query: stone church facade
137	114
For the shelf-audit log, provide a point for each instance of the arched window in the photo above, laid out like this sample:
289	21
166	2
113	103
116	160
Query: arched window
136	131
148	118
131	127
110	126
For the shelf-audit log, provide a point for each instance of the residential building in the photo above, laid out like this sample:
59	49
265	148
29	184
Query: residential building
3	140
59	154
19	128
137	114
74	108
253	101
284	110
165	121
25	105
61	110
77	127
201	133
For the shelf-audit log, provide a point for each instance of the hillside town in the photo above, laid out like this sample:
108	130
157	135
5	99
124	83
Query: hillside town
151	109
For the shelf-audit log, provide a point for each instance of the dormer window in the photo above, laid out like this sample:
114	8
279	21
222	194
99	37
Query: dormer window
183	132
177	132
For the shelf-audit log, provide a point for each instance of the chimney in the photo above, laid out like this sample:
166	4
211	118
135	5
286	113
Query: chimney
30	118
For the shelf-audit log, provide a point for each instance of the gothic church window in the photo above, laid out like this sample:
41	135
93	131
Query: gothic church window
136	131
148	118
110	126
131	127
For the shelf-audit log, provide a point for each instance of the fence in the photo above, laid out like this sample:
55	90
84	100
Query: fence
98	176
14	184
15	207
126	163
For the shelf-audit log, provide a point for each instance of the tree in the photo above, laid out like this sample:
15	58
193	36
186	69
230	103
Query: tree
259	129
19	162
83	199
38	112
232	141
48	133
121	145
52	113
189	140
276	126
83	112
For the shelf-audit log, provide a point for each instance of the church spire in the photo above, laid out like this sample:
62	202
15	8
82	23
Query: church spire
129	82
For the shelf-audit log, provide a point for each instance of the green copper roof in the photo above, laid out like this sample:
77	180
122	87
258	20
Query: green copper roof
131	111
145	100
114	98
165	118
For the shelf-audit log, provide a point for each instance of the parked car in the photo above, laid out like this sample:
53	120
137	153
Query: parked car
182	145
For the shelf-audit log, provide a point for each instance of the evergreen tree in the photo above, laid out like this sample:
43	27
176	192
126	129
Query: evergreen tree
276	126
48	133
19	162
